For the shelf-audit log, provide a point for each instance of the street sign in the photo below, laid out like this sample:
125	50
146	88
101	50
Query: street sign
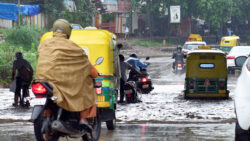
175	14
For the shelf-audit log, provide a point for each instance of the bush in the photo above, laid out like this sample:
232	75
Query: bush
248	40
23	36
7	57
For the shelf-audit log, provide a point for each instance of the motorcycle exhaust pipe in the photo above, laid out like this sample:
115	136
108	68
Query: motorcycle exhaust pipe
60	127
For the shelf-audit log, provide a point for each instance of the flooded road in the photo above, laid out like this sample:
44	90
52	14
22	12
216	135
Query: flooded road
163	115
136	132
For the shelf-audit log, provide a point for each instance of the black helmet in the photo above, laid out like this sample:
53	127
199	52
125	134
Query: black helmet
19	55
122	58
179	49
133	55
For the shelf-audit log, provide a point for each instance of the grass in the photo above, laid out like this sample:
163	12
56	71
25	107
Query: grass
147	43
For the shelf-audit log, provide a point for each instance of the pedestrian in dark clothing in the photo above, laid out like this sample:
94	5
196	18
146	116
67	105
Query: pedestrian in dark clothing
23	78
124	67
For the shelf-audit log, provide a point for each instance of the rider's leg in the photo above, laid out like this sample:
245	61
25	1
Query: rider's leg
122	83
88	113
17	91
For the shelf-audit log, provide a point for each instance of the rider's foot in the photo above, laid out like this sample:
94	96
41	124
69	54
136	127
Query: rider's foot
86	127
14	104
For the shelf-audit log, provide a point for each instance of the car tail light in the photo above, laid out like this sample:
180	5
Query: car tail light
222	85
191	85
230	57
179	65
144	79
98	90
39	90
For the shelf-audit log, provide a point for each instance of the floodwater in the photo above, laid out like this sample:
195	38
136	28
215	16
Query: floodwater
163	115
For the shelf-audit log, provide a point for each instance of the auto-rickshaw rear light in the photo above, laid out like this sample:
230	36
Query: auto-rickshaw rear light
39	90
222	85
191	85
230	57
98	90
207	82
144	79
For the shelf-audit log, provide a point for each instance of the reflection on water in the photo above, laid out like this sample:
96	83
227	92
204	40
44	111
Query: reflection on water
128	132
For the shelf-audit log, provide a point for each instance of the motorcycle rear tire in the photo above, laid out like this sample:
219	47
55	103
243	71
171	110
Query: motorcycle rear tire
37	129
96	129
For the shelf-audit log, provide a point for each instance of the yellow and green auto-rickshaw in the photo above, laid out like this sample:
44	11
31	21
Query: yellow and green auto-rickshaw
101	48
228	42
206	74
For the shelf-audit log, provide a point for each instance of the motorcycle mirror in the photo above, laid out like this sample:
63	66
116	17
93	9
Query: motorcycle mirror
99	60
147	58
239	61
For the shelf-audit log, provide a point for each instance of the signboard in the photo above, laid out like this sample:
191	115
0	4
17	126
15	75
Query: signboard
175	14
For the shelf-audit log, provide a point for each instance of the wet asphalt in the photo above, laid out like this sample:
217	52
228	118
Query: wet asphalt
14	125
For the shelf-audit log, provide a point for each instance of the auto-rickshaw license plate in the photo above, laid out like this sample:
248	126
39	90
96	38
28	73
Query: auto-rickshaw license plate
145	86
128	91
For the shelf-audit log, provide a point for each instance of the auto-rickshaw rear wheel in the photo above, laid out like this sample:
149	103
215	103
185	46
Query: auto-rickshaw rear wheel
111	124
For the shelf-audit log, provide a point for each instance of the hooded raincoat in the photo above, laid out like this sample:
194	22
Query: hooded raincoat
65	65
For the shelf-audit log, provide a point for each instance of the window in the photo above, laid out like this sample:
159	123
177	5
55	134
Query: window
207	66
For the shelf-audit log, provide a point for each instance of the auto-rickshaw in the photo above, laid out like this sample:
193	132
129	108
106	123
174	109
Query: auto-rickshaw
206	74
103	53
228	42
194	37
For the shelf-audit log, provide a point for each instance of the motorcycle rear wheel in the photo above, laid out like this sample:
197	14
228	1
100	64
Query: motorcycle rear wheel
38	124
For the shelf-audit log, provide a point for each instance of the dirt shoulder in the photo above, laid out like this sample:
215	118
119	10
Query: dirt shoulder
142	51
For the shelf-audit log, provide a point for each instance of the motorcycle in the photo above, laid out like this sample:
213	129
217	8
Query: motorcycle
51	121
179	67
130	92
144	82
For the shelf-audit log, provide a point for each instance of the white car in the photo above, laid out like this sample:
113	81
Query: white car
188	46
242	103
235	52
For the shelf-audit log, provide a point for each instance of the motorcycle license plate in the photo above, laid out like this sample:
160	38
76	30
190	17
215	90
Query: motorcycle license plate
179	68
38	101
145	86
128	91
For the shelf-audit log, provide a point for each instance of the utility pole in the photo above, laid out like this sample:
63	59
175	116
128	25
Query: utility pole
18	12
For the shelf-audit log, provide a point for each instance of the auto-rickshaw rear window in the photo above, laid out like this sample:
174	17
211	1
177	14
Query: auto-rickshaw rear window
227	42
207	66
207	57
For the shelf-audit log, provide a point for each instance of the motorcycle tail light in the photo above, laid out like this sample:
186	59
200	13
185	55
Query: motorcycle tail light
144	79
179	65
191	85
129	95
39	90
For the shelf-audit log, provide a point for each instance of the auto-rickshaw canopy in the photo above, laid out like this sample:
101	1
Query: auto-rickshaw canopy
96	43
194	37
230	41
206	64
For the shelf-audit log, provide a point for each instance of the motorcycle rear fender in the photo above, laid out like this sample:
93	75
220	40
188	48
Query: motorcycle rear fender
37	110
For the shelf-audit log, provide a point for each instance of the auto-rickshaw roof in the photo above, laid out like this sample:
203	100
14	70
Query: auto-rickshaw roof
206	51
234	37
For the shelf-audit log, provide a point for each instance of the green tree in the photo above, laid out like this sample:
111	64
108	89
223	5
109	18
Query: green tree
55	9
